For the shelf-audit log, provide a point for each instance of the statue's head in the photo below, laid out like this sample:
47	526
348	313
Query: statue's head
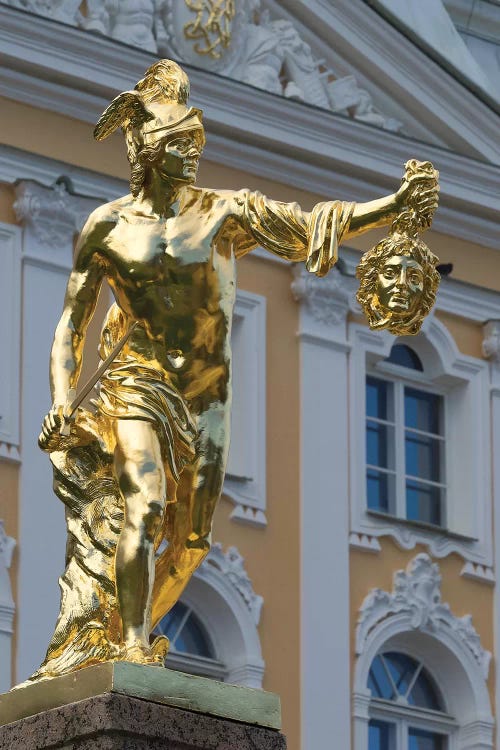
398	284
162	133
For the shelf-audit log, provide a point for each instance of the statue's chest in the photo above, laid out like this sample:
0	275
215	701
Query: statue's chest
169	253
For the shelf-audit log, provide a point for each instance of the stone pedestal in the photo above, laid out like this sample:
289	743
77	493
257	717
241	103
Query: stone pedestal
138	708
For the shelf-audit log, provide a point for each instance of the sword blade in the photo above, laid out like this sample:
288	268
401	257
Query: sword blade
91	382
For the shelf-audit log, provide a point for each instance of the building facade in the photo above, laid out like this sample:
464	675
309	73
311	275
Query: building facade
354	566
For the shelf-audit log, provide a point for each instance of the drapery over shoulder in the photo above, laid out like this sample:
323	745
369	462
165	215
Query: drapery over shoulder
288	231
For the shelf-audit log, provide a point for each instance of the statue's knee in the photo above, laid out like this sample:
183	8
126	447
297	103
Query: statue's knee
145	518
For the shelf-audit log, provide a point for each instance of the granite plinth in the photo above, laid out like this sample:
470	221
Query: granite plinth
114	721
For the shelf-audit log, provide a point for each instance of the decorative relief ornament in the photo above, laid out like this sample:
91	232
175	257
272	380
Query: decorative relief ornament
417	594
210	30
231	564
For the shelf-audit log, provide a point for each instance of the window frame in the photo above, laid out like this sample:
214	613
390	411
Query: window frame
464	380
400	378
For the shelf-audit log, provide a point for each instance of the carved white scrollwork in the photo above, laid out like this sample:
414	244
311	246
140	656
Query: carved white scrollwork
417	594
491	340
328	299
231	564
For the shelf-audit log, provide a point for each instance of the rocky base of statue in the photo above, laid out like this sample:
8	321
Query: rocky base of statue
127	706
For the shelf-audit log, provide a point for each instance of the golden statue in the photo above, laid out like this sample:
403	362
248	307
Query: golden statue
146	465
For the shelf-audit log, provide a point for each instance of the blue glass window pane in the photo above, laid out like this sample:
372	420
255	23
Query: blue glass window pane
424	693
193	639
423	502
402	669
169	624
423	411
423	456
405	357
377	441
419	739
380	735
376	398
378	681
379	490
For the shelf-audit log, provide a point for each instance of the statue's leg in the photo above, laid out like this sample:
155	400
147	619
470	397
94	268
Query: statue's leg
190	518
141	477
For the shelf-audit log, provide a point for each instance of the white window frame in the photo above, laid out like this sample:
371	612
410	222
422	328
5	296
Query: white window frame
10	340
401	377
404	718
245	480
464	381
413	620
221	595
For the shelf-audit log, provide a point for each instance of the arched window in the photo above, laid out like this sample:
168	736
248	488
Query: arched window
213	628
405	442
406	708
191	648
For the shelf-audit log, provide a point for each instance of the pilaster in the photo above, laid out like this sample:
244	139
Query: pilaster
51	217
7	609
324	352
491	350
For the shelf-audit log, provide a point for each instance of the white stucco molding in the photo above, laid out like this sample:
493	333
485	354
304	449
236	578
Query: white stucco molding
10	334
324	479
416	597
245	480
51	215
464	383
7	609
413	619
77	73
222	595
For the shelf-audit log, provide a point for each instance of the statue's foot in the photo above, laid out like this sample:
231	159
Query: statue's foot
142	653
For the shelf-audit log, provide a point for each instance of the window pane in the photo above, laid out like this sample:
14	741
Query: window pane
424	694
423	411
377	393
405	357
169	625
423	502
402	669
193	639
380	491
379	444
423	456
380	735
379	682
419	739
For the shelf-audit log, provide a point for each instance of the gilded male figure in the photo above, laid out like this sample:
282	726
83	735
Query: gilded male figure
168	250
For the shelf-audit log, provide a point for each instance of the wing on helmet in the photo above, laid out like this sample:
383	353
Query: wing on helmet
126	109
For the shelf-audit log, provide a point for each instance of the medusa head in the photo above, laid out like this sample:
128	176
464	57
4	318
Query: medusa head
398	284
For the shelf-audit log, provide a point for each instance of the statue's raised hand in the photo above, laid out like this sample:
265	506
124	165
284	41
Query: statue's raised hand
417	198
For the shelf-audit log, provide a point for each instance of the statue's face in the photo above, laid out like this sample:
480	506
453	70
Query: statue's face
400	285
181	155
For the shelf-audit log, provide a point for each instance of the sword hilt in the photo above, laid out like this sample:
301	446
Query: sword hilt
68	413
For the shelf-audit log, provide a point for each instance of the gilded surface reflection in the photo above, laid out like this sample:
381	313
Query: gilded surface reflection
146	465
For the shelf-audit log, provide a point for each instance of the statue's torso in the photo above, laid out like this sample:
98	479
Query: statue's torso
176	276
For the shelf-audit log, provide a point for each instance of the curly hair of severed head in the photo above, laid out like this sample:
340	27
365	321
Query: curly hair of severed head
368	270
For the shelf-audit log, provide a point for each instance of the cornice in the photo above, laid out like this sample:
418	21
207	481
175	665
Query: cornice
283	140
382	52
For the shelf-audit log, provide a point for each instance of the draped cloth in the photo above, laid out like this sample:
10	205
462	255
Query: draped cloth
135	389
286	230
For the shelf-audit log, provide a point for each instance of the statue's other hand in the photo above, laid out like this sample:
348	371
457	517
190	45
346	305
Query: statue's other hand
50	437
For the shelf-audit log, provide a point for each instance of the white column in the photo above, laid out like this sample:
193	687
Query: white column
7	609
51	216
491	350
325	627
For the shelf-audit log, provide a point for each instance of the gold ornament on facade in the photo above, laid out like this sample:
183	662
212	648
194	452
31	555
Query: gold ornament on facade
211	27
141	471
398	277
